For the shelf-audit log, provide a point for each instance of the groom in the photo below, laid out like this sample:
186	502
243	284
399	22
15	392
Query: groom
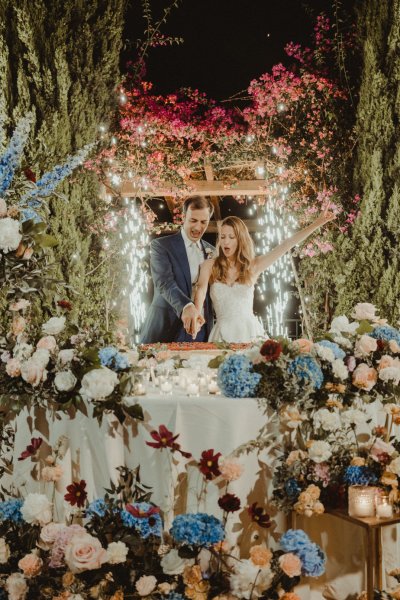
175	262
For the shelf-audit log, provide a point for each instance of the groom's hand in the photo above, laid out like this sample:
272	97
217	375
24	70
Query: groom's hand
192	319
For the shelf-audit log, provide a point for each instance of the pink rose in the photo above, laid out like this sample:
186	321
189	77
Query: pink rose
290	564
13	367
145	585
364	377
16	587
32	372
84	553
31	565
50	532
365	345
48	342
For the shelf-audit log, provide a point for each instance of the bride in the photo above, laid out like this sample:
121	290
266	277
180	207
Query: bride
232	275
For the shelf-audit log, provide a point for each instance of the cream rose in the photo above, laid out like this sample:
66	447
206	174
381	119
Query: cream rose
339	369
364	310
117	553
10	236
33	373
365	345
84	553
41	356
66	356
16	587
98	383
52	473
31	565
47	342
37	509
4	551
50	532
54	326
145	585
319	451
19	305
173	564
65	381
327	420
13	367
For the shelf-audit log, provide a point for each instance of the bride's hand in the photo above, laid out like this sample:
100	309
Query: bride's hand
199	324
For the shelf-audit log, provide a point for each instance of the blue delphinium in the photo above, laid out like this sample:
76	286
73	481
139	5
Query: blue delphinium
111	358
147	524
359	475
294	540
48	183
11	158
386	333
336	349
10	510
197	529
305	367
312	560
97	507
236	377
292	488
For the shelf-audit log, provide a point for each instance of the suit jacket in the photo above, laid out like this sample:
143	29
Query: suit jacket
172	290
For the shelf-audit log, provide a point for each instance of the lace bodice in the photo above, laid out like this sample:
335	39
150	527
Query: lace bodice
233	306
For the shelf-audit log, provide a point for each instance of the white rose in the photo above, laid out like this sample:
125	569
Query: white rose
16	587
3	208
37	509
10	236
329	421
365	345
33	373
250	580
364	310
341	324
339	369
173	564
54	325
4	551
98	383
117	553
145	585
353	416
319	451
65	381
394	466
390	374
66	356
324	353
41	357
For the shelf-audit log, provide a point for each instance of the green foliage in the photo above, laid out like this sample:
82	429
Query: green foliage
62	61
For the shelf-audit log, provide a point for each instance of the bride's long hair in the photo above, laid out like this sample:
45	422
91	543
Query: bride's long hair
243	257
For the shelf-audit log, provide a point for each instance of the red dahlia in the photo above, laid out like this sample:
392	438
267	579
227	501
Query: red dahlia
229	503
271	350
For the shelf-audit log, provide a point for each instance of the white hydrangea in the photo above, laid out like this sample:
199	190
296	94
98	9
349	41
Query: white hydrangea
327	420
324	353
37	509
364	310
390	374
353	416
54	326
339	369
250	579
10	236
66	356
65	381
319	451
98	383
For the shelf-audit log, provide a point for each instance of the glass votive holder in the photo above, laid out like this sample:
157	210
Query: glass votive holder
139	387
384	508
166	387
213	387
362	501
193	388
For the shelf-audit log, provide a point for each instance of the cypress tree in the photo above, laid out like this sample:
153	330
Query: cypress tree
61	60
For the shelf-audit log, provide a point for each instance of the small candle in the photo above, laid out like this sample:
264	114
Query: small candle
384	511
193	389
139	389
213	387
362	501
166	387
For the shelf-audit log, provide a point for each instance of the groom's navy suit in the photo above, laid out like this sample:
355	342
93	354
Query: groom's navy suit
172	292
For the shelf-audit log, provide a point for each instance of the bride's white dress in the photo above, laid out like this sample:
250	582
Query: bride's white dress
233	306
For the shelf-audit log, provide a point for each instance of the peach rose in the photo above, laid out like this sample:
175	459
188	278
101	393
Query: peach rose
84	553
32	372
13	367
260	555
295	455
19	305
394	347
145	585
364	377
290	564
231	469
52	473
31	565
48	342
365	345
357	461
290	596
303	345
18	325
16	587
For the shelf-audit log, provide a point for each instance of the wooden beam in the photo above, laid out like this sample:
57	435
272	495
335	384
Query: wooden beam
254	187
214	199
171	203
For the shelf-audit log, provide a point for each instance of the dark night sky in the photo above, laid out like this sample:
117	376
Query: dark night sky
226	42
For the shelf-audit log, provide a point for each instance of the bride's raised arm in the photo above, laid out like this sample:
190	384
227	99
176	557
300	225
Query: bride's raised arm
264	261
202	283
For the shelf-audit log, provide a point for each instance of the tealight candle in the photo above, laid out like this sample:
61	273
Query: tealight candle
166	387
192	389
213	387
139	389
362	501
384	510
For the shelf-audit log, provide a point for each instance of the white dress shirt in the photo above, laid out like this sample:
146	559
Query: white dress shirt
195	254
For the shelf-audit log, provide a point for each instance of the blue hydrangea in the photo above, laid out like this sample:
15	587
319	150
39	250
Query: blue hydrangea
305	367
175	596
197	529
312	560
111	358
145	526
10	510
336	349
236	377
359	476
11	158
386	333
294	540
97	507
28	214
292	488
